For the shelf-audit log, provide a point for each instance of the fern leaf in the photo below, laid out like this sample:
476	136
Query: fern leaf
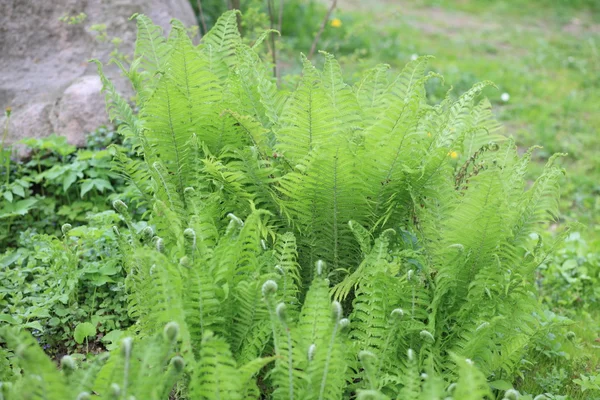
220	43
151	46
215	376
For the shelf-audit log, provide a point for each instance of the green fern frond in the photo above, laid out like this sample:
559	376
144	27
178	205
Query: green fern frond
151	46
35	364
137	362
219	45
471	384
155	294
167	130
251	330
308	119
288	269
377	256
135	172
370	91
119	110
342	98
201	302
215	375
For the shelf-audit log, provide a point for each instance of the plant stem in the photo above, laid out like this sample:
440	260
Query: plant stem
327	360
270	7
202	20
316	41
4	136
280	17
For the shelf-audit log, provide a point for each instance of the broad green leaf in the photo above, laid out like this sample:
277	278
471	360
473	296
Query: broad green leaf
18	190
8	196
82	331
501	385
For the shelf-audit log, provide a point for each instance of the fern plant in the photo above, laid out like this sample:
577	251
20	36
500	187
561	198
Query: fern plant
144	370
331	241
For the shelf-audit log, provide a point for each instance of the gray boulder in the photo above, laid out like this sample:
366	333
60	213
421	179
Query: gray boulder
45	77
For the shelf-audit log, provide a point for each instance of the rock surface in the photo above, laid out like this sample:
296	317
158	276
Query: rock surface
45	76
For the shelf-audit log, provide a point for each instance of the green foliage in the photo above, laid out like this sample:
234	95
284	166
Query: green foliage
52	285
57	184
146	369
274	215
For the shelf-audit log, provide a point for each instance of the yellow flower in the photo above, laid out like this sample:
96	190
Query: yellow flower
453	154
336	22
428	134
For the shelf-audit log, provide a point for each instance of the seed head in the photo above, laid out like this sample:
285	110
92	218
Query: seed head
66	228
120	207
427	336
126	345
115	390
171	331
190	237
512	394
336	311
344	323
147	233
320	264
178	363
280	311
68	364
269	288
311	351
160	245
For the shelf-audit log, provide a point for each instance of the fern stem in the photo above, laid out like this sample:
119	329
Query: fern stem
335	212
328	359
278	348
290	363
126	347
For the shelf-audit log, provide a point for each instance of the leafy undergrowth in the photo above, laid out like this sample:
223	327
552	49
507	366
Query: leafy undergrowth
53	284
